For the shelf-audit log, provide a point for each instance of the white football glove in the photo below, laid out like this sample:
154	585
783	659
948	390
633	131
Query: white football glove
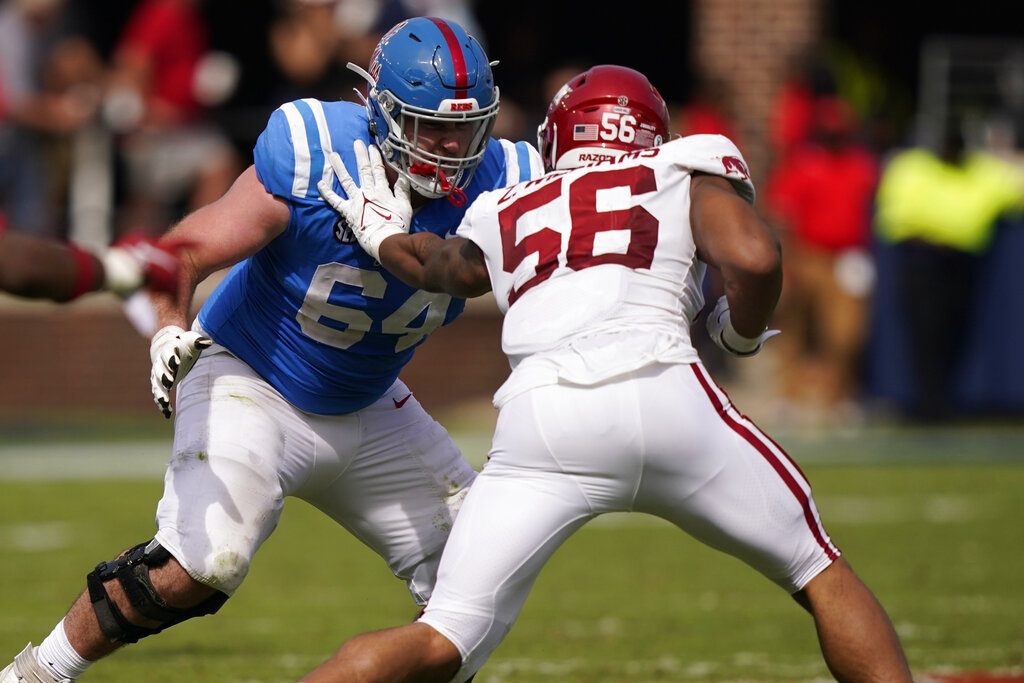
372	210
173	352
725	336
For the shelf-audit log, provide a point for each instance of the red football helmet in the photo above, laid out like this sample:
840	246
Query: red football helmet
600	114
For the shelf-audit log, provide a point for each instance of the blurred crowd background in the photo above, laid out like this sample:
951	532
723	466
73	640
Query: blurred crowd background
885	143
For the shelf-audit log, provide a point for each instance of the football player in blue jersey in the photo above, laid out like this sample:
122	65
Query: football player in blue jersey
296	390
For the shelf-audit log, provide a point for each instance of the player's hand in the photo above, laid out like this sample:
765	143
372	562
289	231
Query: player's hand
372	210
136	260
173	352
721	331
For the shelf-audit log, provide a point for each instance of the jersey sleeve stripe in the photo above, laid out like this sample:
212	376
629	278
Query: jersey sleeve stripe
523	162
314	144
528	161
511	162
300	147
316	108
519	162
536	163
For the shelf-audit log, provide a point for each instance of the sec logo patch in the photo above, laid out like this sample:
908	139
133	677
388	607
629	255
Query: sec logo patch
343	233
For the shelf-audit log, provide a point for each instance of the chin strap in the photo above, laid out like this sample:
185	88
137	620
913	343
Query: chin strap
455	194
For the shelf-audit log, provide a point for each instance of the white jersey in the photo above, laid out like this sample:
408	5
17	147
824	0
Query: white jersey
608	408
613	238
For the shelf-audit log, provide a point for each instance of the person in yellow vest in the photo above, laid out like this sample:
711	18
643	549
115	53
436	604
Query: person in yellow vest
941	210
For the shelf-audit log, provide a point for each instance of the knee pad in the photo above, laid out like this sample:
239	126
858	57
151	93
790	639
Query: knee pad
132	571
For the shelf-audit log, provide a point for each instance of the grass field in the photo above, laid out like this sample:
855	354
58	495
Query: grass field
933	520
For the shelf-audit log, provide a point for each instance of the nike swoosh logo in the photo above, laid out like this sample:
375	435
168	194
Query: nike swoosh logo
399	404
385	216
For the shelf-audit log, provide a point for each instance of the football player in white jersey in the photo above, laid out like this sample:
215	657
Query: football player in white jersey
598	268
296	390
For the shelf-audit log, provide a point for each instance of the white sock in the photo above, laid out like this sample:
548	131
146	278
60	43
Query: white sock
56	653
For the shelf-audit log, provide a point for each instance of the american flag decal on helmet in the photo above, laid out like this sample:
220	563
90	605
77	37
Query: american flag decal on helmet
584	132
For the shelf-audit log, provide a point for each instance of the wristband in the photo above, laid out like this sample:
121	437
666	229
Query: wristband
737	343
370	240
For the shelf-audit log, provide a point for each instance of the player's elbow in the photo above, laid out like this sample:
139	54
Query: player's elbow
758	256
470	289
765	258
453	283
456	268
755	270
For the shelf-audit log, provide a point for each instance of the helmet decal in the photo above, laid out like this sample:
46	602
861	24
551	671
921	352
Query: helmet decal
375	57
458	59
584	132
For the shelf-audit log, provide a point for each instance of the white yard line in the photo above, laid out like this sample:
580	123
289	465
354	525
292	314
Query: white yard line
131	459
127	460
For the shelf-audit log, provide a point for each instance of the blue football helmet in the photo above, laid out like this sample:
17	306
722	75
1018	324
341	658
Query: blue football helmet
428	72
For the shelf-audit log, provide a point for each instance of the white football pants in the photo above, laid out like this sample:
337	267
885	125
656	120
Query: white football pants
388	473
665	440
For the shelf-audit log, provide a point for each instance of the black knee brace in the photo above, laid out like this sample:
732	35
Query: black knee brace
132	570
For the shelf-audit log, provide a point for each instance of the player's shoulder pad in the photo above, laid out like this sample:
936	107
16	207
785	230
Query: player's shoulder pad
716	155
290	153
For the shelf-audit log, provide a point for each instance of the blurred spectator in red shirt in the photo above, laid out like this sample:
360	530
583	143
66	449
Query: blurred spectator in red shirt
164	78
157	54
820	196
808	80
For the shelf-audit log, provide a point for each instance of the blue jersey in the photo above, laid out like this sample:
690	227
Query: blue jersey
311	312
